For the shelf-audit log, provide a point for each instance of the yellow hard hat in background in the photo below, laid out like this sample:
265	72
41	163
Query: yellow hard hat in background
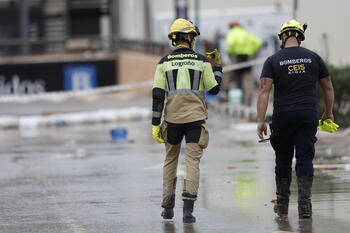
293	25
182	26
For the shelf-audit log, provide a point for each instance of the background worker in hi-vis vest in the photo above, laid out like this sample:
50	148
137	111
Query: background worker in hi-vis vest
241	47
181	77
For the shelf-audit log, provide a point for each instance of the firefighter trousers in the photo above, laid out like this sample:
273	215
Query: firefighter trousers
294	132
197	137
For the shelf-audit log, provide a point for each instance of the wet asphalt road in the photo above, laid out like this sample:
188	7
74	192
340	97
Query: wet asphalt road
77	180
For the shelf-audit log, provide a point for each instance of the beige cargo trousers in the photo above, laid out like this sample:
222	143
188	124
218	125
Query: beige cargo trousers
197	138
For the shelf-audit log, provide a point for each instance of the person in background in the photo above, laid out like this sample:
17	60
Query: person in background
294	72
181	78
242	46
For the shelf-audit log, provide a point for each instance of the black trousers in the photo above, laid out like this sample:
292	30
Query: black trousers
294	131
191	131
240	72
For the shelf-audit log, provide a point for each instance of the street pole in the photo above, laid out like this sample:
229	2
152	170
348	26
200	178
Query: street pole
67	20
147	20
326	46
196	22
115	12
295	7
181	8
24	26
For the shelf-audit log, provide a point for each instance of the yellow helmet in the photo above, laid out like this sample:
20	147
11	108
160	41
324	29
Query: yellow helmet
182	26
293	28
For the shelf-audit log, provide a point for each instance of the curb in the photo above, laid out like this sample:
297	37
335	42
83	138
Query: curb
235	112
79	118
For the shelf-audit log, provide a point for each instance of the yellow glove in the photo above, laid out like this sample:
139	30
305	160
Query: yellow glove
215	55
156	134
327	126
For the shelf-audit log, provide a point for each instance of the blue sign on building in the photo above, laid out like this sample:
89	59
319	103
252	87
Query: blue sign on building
79	77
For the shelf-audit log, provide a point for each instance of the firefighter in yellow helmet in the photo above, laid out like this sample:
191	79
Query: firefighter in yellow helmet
242	46
294	72
292	28
181	78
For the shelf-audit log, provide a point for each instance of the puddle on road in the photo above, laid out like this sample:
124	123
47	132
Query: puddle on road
243	143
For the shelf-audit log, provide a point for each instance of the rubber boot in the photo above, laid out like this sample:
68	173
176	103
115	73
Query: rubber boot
283	193
304	196
187	212
168	212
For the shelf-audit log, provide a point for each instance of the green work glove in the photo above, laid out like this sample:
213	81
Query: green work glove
156	134
215	55
328	126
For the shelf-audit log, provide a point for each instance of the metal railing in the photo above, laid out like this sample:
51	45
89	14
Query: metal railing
14	47
148	47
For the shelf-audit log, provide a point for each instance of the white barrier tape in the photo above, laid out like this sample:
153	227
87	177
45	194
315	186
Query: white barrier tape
60	95
241	65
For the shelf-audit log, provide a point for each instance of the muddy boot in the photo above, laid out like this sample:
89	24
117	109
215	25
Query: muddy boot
283	193
187	212
304	196
168	212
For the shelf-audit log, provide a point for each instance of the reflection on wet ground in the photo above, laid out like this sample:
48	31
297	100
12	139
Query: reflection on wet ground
304	225
78	179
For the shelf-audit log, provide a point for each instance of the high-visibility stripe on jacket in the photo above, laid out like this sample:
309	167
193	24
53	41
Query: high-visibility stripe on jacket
183	76
241	42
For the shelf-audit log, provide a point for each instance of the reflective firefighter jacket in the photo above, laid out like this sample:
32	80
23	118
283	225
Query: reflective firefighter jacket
241	42
181	77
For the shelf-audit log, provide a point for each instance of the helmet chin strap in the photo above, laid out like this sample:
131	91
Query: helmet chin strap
190	42
282	45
